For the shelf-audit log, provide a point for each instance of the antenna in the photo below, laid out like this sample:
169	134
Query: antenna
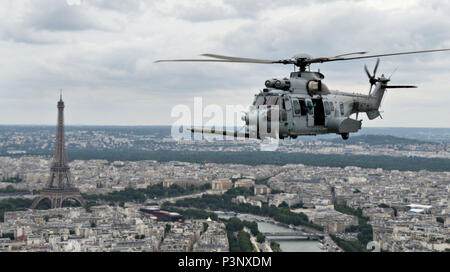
60	94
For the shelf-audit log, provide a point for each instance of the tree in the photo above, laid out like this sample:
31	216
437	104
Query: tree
297	206
224	202
275	246
234	224
253	226
233	242
8	235
13	204
89	205
365	234
167	229
244	242
260	238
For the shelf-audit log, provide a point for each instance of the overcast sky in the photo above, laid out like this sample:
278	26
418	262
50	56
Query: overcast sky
101	53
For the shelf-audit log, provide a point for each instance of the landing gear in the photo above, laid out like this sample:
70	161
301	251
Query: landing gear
345	136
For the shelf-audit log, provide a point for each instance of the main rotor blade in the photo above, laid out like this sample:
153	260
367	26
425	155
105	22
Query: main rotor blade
239	58
222	58
327	59
212	60
348	54
298	62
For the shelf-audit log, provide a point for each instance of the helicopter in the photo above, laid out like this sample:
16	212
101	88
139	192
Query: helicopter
303	103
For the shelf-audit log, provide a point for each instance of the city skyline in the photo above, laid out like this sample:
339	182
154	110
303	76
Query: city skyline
161	204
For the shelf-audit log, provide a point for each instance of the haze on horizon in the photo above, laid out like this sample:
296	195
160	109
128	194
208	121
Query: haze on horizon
101	53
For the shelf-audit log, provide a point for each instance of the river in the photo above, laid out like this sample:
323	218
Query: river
285	245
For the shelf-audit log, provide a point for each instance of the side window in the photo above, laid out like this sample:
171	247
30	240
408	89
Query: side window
310	106
327	108
303	107
296	106
287	104
341	106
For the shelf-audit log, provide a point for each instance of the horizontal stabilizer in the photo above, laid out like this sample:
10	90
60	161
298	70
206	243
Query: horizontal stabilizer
235	133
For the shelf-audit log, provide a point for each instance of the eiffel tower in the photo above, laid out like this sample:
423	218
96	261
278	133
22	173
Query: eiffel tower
59	186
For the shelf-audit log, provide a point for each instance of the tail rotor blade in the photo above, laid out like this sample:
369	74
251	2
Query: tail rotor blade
393	73
376	67
367	71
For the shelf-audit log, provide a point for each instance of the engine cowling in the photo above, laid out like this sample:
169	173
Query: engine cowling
317	87
281	84
270	83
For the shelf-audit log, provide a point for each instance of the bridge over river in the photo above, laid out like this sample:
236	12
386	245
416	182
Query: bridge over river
292	235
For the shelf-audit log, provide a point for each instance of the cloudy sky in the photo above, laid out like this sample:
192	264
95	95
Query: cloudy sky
102	53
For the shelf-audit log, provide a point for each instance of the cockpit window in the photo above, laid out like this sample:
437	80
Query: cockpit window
310	106
266	100
272	100
259	100
296	106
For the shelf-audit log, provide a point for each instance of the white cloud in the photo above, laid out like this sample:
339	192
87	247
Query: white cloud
101	53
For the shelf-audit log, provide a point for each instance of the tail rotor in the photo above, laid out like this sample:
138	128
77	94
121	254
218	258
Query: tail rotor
372	79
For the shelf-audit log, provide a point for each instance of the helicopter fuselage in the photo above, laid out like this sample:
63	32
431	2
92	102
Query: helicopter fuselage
307	107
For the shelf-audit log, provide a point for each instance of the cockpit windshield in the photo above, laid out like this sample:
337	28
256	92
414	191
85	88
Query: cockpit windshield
260	100
271	100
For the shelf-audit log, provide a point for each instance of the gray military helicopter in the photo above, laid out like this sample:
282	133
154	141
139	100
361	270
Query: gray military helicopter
306	105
